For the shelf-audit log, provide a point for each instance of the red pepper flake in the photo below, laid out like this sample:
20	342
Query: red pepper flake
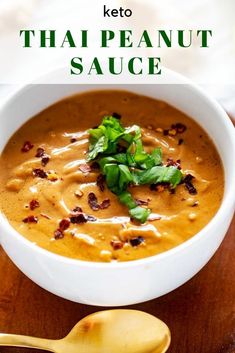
116	244
44	157
58	234
159	187
179	127
40	152
105	204
64	224
77	209
39	173
85	168
30	219
93	202
136	241
27	146
95	166
180	142
172	163
78	218
117	116
100	182
121	149
189	185
140	202
73	140
34	204
45	160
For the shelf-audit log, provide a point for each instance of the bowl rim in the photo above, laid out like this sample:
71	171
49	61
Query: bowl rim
227	204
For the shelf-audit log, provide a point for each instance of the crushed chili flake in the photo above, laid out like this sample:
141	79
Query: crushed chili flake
77	209
58	234
33	204
136	241
30	219
172	163
159	187
37	172
189	185
100	182
27	146
64	224
73	140
93	202
121	148
78	218
44	157
140	202
95	166
45	160
40	152
85	168
180	142
105	204
116	115
179	127
116	244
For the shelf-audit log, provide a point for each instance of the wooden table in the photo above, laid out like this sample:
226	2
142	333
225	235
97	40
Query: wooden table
201	313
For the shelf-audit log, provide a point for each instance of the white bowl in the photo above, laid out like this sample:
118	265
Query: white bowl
115	284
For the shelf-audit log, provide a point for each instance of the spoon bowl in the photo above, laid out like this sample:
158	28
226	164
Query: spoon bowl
110	331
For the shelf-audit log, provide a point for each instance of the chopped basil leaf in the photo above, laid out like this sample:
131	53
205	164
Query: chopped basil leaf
157	156
140	214
159	174
125	177
136	166
111	171
126	198
105	137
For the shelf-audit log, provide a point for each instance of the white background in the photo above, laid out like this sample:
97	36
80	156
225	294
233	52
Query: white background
213	67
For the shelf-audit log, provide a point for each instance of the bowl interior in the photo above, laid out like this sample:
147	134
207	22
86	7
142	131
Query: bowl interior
186	97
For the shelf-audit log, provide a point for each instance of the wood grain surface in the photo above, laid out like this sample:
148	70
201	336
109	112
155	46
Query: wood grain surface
201	313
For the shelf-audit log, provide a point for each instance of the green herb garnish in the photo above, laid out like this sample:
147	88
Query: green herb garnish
134	166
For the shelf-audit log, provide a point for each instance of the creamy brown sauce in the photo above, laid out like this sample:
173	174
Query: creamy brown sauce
181	215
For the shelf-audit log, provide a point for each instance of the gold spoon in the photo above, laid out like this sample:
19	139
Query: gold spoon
111	331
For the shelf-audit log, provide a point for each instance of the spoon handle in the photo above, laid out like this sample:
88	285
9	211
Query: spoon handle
25	341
